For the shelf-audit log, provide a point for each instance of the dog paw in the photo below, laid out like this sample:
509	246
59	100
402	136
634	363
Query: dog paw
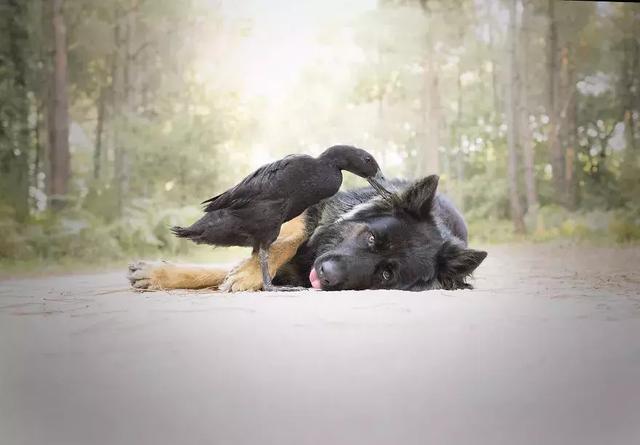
140	274
245	277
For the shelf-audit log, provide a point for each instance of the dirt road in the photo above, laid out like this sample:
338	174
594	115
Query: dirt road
546	350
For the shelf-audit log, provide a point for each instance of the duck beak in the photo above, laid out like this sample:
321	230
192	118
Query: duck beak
379	177
376	182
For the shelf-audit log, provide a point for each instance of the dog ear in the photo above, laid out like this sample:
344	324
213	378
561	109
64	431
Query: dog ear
455	263
418	198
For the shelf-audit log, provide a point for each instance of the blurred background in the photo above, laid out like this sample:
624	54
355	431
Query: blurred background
118	117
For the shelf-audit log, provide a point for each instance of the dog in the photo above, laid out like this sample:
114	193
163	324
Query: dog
416	240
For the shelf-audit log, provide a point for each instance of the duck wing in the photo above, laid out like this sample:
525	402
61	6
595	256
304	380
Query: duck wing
271	181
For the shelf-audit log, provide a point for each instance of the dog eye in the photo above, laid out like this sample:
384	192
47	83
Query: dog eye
371	240
386	275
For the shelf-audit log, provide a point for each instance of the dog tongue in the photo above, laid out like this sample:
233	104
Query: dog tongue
313	277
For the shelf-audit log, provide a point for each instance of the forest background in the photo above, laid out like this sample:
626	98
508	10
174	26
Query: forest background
118	117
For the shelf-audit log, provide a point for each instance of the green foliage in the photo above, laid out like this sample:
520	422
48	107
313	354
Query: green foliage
557	222
79	234
485	197
554	222
13	243
625	225
144	228
491	230
192	100
71	233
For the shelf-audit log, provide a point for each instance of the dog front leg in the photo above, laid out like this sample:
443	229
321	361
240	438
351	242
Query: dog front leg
159	275
247	275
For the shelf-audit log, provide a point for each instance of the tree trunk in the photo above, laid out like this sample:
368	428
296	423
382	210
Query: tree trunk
458	142
123	104
97	153
111	133
635	75
512	120
630	88
526	138
59	157
429	161
570	126
494	74
555	143
42	93
628	80
14	160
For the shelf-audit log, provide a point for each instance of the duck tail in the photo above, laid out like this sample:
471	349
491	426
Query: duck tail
187	232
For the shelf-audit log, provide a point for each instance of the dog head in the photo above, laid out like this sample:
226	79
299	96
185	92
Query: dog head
397	243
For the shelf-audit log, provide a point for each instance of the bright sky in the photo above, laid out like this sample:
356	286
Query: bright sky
284	38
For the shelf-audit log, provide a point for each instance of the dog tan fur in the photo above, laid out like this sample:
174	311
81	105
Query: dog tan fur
245	276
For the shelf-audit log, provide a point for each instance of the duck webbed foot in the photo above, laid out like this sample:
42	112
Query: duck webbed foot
263	257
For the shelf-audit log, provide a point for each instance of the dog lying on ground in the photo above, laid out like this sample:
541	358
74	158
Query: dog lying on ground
354	240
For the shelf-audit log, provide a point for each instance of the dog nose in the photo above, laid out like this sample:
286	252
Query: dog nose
329	273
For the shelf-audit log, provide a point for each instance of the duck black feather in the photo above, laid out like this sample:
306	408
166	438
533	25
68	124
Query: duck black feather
254	184
251	213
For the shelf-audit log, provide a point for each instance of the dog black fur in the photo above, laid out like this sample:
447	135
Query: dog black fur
415	241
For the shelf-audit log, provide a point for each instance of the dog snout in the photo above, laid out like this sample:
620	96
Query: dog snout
330	273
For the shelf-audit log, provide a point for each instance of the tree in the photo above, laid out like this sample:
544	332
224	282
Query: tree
526	137
555	148
154	95
14	124
512	120
431	113
58	104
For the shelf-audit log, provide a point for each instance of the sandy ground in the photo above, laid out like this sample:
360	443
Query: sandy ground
546	350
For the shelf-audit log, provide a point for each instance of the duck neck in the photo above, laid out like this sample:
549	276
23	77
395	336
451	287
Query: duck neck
334	158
